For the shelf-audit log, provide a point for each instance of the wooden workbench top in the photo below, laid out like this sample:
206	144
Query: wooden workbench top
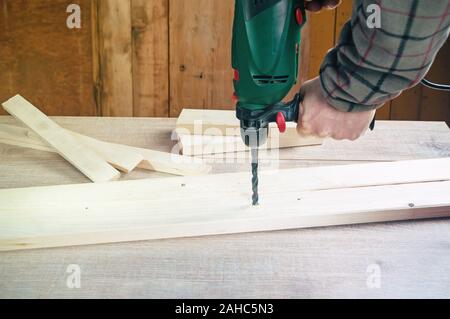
411	258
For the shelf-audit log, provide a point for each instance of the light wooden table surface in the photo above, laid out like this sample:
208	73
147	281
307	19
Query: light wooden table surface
410	259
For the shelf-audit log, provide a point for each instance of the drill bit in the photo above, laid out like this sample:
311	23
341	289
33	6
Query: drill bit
255	197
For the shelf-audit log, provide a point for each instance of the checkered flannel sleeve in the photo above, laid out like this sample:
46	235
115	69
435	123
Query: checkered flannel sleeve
370	66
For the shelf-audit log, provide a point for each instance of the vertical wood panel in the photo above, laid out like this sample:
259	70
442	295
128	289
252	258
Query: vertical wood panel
115	57
200	54
42	59
150	57
343	14
321	38
384	113
435	105
407	105
421	103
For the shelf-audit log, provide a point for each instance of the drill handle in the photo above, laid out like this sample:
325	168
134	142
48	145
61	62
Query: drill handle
291	111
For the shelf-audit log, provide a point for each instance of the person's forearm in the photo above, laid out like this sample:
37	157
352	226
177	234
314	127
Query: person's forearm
370	66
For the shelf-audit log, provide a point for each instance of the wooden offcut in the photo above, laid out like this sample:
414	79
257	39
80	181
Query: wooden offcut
218	131
123	157
21	136
211	144
222	123
84	159
220	204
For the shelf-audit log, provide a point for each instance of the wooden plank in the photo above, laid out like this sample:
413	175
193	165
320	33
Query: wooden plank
296	198
122	157
323	253
150	57
390	141
373	147
222	122
200	54
321	28
20	136
384	112
407	105
210	144
221	133
435	104
85	160
45	60
154	160
115	57
343	15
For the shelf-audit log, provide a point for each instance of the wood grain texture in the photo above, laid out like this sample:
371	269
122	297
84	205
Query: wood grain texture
21	136
343	14
117	64
150	57
85	160
321	38
200	54
435	105
407	105
330	262
209	144
203	132
43	59
221	122
115	57
122	157
391	140
323	196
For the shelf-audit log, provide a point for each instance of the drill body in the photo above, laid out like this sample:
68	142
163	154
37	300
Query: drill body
265	58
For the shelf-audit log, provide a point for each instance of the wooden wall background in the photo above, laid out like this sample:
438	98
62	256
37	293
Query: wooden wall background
154	57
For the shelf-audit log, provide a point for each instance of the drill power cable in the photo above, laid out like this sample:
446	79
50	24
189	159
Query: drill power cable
436	86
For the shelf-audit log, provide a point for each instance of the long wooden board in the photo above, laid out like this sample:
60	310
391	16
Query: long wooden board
84	159
220	204
123	157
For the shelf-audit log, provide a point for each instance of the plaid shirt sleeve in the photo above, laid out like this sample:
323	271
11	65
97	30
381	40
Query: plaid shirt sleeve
370	66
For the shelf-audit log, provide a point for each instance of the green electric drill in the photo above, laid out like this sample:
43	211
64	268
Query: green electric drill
265	57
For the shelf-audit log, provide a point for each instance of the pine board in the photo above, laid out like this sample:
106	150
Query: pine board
296	198
203	132
85	160
122	157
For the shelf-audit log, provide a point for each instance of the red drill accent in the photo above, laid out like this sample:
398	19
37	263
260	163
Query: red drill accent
299	16
281	122
236	75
